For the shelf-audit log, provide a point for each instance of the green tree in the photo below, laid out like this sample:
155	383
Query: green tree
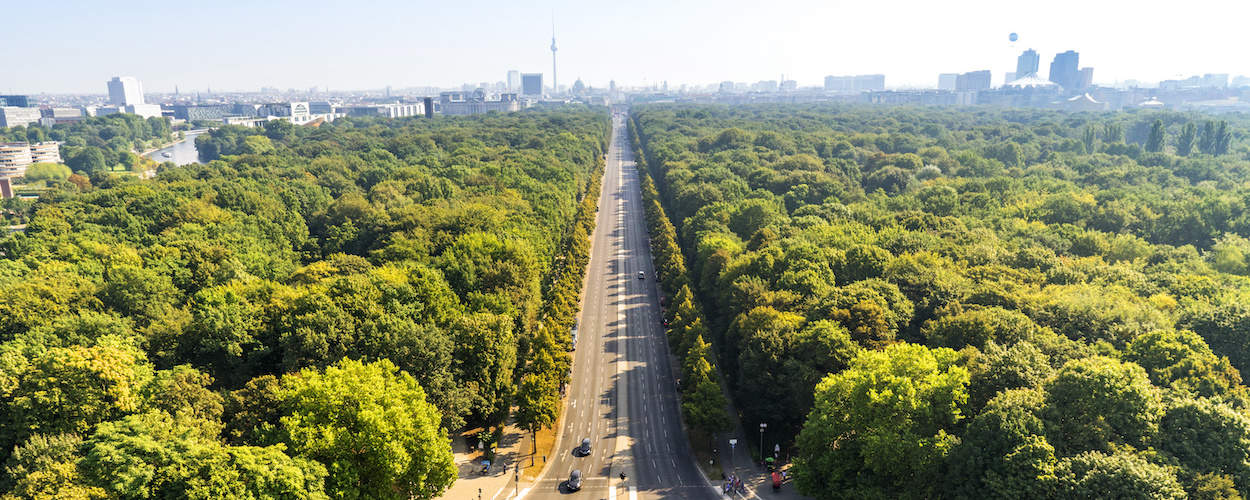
537	397
47	172
371	427
1207	438
863	262
1222	138
883	426
1185	141
1154	143
704	406
1112	133
485	358
71	389
1208	140
90	160
1094	402
1180	359
1004	453
978	327
156	455
1088	138
257	145
47	467
1119	475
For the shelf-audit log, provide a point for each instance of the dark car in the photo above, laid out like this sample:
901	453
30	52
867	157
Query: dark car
584	449
575	480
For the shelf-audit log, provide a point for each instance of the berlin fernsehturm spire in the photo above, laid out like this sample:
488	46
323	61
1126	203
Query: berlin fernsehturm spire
555	82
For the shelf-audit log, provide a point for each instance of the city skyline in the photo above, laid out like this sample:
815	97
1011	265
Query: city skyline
641	43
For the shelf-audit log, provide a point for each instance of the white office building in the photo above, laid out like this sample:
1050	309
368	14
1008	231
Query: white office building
13	116
144	110
514	80
16	156
125	90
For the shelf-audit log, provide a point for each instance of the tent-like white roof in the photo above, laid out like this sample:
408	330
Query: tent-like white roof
1031	80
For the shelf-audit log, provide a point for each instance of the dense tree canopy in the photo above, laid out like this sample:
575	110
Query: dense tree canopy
245	327
1083	276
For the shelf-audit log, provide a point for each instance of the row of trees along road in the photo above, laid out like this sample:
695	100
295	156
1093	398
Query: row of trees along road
941	303
704	405
305	316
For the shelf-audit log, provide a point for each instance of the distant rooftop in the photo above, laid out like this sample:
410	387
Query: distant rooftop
1083	98
1032	80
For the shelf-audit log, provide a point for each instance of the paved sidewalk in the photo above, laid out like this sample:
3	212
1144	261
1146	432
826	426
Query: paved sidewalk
737	460
497	483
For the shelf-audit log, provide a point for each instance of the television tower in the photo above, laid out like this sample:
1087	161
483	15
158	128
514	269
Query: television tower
555	82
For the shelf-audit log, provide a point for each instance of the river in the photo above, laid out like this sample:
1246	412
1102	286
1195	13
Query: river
181	153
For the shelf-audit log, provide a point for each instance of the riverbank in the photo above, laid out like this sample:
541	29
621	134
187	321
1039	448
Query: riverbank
187	135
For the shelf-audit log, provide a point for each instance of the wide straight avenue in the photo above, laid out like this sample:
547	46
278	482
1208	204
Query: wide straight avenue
623	396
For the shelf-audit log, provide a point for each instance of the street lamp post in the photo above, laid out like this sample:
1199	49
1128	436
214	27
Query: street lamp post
762	427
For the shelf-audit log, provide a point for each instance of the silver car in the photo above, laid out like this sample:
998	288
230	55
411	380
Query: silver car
575	480
584	449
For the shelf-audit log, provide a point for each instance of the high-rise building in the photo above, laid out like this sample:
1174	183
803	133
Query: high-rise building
1063	70
870	83
20	101
839	83
1086	79
125	90
946	81
532	84
973	80
514	80
1217	80
1027	63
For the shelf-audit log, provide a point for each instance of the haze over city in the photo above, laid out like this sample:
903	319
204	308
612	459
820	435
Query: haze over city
634	250
238	45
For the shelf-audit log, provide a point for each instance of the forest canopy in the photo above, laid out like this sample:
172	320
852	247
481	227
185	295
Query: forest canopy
972	302
196	334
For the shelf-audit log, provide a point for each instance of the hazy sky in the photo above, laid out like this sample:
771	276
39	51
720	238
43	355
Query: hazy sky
75	46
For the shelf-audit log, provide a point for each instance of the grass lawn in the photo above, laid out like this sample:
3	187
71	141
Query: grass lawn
532	464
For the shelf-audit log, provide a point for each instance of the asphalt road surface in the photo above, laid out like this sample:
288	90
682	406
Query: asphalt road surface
623	395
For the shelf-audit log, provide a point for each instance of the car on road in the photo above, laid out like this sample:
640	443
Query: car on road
584	449
642	275
575	480
573	335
